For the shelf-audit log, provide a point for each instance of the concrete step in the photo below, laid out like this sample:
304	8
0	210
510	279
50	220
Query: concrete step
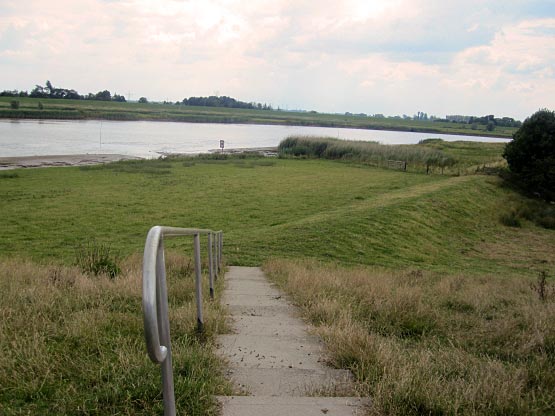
291	406
270	352
292	381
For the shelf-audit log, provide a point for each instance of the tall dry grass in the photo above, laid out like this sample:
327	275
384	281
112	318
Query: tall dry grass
73	343
417	157
420	343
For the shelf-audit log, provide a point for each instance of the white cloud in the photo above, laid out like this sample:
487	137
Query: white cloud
391	57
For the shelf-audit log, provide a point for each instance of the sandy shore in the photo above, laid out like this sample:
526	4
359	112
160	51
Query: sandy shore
95	159
59	160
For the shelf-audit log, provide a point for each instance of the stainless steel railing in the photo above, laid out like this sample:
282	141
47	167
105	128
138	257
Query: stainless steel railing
155	296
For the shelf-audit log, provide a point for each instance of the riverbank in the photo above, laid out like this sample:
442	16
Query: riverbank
60	160
50	109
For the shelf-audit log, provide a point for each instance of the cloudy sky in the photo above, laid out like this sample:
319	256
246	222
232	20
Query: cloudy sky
471	57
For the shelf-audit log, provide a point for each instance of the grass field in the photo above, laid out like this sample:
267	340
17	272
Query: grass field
80	109
71	341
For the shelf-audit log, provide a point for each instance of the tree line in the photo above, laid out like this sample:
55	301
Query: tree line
224	101
49	91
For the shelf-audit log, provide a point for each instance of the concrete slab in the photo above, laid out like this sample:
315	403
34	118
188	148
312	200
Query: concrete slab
291	406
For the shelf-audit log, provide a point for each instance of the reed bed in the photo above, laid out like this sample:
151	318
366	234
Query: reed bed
373	153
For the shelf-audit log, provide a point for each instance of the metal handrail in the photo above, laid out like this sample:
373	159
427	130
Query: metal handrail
155	296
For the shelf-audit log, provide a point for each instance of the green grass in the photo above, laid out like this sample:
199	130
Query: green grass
81	109
290	208
468	153
72	343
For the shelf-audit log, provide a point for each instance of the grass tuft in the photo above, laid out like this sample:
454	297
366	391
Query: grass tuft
9	175
97	258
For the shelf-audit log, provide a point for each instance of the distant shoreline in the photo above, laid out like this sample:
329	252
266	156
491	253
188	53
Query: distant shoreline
52	109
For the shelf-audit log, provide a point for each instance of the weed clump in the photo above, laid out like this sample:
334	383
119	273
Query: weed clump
536	211
9	175
97	259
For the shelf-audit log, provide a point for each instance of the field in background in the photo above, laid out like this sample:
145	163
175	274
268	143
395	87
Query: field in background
80	109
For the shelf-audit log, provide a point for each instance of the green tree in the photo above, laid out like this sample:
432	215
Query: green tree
143	100
531	154
14	104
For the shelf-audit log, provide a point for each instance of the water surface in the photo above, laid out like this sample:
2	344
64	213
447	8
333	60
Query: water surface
150	138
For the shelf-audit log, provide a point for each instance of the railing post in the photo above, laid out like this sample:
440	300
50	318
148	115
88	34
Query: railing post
164	331
221	248
198	283
211	264
217	253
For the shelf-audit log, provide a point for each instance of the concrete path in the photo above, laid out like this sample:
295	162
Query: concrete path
273	359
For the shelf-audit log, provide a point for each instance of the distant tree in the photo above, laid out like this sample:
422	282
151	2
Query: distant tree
40	106
14	104
39	92
103	96
531	154
143	100
490	126
118	98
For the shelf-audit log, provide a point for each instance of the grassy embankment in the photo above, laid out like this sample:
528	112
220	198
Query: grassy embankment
78	110
435	229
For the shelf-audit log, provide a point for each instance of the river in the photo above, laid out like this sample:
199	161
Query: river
151	138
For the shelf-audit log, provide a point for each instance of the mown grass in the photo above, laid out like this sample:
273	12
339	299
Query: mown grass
77	109
342	212
73	343
422	343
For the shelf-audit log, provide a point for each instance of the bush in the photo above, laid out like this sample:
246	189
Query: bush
14	104
531	155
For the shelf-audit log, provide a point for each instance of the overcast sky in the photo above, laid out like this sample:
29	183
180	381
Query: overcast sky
468	57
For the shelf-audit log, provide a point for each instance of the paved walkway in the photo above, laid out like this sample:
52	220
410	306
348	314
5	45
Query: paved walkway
273	360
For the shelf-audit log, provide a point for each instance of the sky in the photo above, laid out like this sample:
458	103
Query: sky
442	57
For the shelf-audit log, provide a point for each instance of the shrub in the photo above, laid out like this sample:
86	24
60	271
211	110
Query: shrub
14	104
531	154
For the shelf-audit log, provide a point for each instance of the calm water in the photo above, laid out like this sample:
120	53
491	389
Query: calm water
150	138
